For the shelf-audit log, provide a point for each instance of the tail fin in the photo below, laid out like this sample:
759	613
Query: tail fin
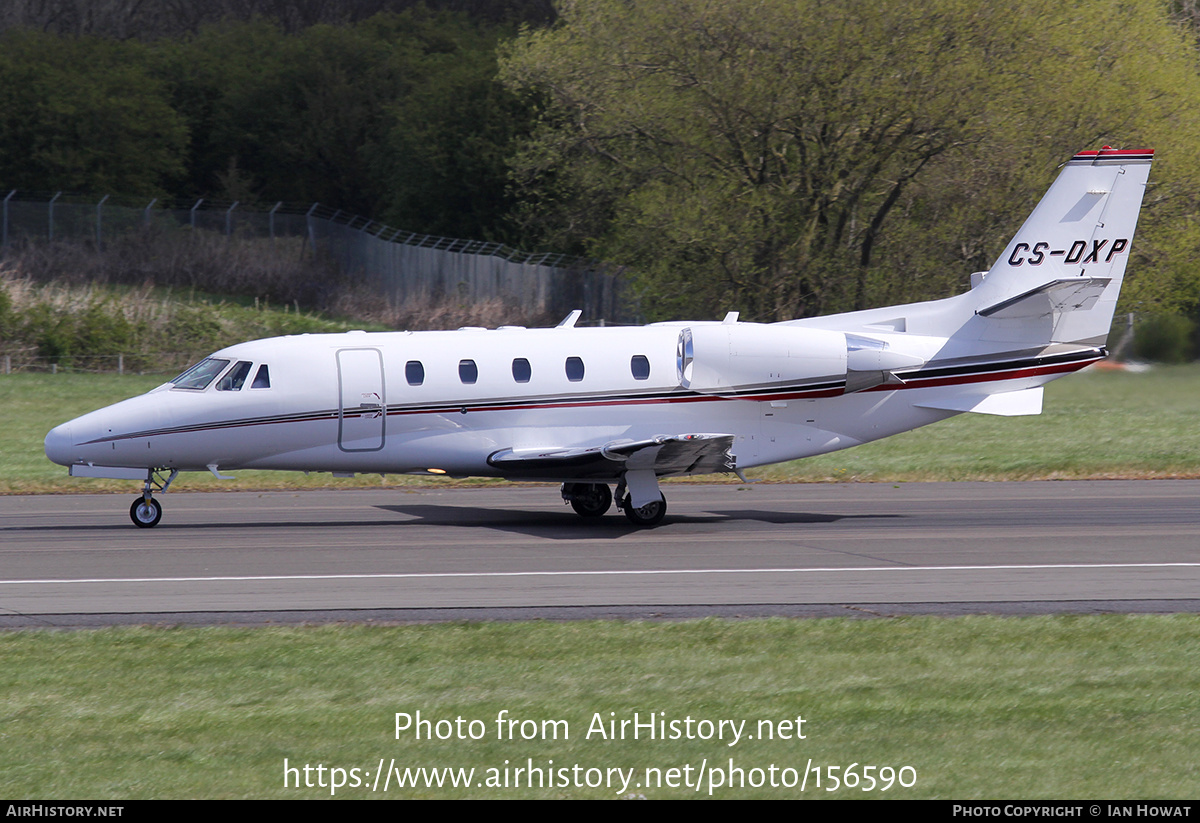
1066	264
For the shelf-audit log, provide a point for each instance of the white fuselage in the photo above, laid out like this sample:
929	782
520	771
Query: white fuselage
356	402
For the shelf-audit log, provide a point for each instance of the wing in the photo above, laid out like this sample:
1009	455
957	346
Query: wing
665	455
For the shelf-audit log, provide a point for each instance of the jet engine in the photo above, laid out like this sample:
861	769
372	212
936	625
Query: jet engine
729	358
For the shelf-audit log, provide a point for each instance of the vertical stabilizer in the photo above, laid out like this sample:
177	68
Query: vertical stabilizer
1062	271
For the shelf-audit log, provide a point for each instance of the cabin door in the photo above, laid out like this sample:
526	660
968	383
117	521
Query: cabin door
361	408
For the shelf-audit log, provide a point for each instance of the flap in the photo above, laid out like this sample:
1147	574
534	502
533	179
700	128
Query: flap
664	455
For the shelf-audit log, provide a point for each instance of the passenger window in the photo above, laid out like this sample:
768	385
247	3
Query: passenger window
640	366
414	372
574	369
262	380
236	378
522	370
468	372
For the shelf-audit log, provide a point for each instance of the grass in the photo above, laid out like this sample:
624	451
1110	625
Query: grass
1046	707
1099	424
979	707
1094	425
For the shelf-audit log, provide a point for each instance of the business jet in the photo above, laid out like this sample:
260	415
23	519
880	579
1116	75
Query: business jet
590	408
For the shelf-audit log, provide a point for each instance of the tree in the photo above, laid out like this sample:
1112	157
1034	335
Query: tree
397	117
84	114
782	156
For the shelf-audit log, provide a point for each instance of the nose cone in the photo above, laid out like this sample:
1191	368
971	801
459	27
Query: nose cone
60	446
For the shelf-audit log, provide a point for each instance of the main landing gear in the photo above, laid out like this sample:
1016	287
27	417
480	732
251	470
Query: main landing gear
587	499
594	499
645	516
145	512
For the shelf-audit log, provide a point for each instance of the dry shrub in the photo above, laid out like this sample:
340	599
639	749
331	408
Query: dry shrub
206	264
367	306
152	306
280	271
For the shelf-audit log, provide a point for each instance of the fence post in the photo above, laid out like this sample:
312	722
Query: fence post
198	202
272	219
51	217
229	219
312	235
120	364
99	232
146	212
4	237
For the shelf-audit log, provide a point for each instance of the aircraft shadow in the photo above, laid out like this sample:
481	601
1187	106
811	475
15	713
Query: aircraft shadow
559	525
566	525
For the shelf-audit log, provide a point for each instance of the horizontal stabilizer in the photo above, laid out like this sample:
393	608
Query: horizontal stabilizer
1068	294
1005	404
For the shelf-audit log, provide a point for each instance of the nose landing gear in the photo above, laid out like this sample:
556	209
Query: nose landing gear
145	512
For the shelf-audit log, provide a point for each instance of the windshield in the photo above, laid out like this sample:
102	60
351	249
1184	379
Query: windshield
201	374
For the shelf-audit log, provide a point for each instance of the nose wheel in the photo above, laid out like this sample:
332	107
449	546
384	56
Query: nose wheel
145	512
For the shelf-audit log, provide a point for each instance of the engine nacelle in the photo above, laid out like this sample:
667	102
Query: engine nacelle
728	357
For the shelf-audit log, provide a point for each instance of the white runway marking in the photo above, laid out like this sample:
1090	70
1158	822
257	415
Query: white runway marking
615	573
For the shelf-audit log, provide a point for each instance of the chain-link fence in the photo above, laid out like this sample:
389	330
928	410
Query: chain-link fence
402	266
164	364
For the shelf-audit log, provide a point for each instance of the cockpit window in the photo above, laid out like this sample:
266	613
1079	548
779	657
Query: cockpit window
201	374
236	378
262	380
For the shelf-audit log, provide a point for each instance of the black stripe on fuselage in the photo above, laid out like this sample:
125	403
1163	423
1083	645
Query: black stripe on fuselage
964	370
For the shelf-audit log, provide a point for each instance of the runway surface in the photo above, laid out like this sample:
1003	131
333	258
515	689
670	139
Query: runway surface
517	551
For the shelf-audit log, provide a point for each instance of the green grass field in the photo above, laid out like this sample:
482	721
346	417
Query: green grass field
1046	707
1049	707
1094	425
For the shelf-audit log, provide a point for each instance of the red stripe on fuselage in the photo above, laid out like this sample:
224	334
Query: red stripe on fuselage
912	382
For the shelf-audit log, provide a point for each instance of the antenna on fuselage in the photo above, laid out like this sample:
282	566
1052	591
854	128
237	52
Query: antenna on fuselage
569	321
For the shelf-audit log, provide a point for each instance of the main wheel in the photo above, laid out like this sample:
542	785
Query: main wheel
648	515
144	513
589	499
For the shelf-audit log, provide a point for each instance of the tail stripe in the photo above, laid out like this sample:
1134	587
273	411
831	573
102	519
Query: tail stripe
1115	156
